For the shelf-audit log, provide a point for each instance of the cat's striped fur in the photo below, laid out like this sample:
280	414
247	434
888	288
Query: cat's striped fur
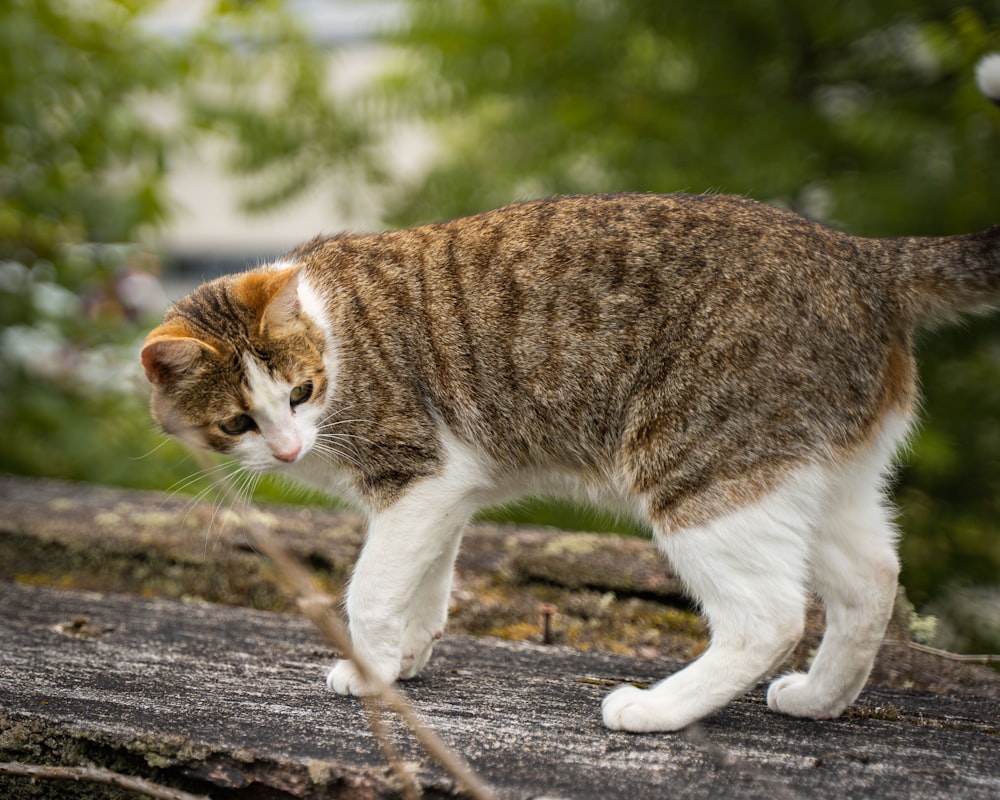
734	374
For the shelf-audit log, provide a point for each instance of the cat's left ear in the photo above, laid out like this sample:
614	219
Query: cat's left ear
169	352
282	306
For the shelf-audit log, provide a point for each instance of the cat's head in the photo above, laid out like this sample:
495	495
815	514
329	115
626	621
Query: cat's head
237	367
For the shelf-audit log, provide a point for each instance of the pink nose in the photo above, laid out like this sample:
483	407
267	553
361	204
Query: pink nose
288	456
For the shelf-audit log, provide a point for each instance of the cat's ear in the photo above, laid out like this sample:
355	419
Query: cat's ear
167	355
282	305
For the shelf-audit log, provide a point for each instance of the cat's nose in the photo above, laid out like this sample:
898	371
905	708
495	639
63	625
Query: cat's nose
289	454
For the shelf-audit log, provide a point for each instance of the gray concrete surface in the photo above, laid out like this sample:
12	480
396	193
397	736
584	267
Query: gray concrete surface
231	702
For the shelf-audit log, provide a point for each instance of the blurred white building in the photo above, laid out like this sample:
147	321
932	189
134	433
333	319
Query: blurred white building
209	233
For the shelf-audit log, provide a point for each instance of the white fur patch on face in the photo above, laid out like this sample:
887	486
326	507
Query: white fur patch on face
284	434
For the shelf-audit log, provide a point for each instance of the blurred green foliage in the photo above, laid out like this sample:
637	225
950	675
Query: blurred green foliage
78	163
863	115
98	100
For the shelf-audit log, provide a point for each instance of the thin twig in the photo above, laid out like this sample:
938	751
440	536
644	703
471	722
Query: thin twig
934	651
316	606
97	775
409	787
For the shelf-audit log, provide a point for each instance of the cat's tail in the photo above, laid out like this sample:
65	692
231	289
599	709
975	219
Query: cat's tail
943	276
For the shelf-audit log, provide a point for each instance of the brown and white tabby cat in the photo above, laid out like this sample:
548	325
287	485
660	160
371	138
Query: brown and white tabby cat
732	373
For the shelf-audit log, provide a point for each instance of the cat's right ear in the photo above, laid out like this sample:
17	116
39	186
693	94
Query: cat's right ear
165	356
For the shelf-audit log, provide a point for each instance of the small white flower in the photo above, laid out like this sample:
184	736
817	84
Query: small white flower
13	276
988	76
53	301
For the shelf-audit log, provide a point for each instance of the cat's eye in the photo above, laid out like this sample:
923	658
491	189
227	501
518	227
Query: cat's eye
238	425
301	393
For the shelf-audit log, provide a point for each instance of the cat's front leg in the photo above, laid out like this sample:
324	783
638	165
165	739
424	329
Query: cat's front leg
397	599
428	613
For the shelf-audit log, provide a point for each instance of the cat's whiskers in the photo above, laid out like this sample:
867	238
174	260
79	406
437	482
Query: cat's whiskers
210	474
205	473
332	452
221	485
242	486
326	430
329	424
337	418
335	446
150	452
230	484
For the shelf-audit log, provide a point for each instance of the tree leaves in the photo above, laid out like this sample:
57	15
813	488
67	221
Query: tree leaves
863	115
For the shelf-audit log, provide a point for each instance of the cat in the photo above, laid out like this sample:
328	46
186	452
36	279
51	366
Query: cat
734	374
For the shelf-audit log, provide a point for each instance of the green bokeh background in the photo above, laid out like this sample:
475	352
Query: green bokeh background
864	115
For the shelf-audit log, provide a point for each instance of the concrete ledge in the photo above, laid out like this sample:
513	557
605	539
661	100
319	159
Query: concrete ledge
229	701
209	698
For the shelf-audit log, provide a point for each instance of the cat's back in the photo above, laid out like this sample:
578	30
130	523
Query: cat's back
605	247
606	289
557	330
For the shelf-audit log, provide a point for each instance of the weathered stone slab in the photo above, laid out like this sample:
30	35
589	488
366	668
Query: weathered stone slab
228	700
624	565
79	536
603	592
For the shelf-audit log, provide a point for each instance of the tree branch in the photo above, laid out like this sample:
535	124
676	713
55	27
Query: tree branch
946	654
316	606
97	775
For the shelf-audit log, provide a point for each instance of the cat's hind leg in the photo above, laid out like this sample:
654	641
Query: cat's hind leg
854	571
748	572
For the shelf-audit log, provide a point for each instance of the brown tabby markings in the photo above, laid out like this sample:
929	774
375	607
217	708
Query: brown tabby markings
699	346
695	347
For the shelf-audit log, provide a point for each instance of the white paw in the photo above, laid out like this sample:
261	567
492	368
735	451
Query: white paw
795	695
417	649
345	679
641	711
